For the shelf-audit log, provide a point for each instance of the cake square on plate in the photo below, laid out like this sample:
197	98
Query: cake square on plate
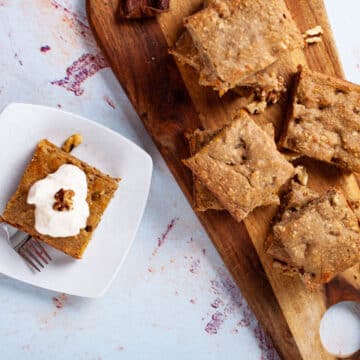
46	160
21	127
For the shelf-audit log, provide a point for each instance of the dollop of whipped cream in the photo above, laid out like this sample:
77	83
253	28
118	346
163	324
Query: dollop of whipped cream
48	220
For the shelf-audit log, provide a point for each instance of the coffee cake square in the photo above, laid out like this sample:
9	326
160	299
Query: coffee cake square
238	38
324	122
242	167
316	236
46	160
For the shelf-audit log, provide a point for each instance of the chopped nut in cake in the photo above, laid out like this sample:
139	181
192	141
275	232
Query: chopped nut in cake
256	107
324	122
302	175
242	167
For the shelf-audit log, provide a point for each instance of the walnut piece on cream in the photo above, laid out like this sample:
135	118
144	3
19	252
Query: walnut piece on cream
64	200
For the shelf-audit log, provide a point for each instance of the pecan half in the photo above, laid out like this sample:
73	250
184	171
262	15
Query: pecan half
72	142
64	201
136	9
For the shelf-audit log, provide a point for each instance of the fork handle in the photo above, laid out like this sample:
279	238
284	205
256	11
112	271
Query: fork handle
19	239
15	236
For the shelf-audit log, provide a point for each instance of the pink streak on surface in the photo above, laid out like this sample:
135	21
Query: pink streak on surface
164	236
80	70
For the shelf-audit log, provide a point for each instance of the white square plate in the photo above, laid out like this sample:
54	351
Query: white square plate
21	128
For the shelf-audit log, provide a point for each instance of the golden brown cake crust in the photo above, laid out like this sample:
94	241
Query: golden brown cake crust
47	159
318	236
185	51
296	197
203	199
267	85
242	167
324	122
237	38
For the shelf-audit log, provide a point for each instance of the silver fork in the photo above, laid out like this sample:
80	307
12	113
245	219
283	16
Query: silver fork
28	247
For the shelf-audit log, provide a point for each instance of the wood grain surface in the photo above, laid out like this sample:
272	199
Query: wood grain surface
169	101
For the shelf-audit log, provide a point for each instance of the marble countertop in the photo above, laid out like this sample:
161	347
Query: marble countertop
173	297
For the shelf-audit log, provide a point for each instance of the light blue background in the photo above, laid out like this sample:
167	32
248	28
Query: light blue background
160	304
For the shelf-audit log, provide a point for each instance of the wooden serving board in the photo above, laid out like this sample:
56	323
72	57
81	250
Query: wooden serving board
169	101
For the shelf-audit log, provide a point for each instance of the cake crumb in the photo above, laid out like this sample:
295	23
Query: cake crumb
256	107
60	300
302	175
45	49
313	35
315	31
313	40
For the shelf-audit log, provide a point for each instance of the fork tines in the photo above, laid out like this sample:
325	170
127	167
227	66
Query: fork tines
34	253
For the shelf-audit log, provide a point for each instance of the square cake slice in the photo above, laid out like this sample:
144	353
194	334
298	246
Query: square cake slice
324	122
237	38
203	198
267	84
296	197
46	160
242	167
317	236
